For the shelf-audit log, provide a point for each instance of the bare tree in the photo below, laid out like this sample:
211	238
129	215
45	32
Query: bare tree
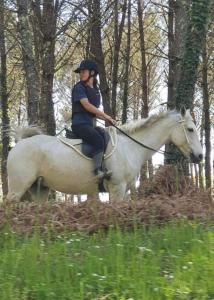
3	100
206	111
96	52
171	54
145	107
32	78
118	31
48	28
196	29
127	66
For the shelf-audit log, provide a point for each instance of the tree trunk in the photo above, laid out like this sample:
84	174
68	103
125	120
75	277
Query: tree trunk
32	78
207	123
196	175
171	69
127	66
200	176
4	101
186	72
171	55
193	45
46	109
200	169
145	107
181	20
118	30
192	174
177	27
96	52
136	103
144	104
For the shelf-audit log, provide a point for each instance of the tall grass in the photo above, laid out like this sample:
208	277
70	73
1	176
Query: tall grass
175	261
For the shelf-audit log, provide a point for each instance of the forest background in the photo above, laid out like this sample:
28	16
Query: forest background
152	56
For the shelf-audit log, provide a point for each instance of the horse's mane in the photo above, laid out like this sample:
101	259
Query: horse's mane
134	126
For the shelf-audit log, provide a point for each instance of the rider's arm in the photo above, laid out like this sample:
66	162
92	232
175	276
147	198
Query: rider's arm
92	109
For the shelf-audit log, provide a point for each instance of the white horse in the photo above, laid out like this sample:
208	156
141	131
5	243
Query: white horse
65	170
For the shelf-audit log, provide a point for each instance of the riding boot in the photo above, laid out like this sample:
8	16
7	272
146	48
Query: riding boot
97	159
100	170
107	172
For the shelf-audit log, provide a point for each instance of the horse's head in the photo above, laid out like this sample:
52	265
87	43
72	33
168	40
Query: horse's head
184	136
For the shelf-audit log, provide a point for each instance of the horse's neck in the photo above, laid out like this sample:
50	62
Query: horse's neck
154	136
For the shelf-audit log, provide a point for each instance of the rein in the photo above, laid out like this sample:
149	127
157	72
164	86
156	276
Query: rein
150	148
141	144
163	152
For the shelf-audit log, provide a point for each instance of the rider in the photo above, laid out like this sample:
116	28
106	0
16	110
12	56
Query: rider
85	104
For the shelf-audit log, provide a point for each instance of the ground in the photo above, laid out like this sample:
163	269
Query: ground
91	216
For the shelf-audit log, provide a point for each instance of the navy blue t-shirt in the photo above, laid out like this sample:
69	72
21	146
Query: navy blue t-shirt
79	114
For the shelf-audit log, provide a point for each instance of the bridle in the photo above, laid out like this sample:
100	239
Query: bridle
182	121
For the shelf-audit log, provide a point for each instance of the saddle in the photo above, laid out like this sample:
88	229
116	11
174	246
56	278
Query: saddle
85	149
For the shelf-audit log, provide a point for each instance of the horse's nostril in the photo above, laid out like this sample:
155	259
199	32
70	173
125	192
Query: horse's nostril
200	156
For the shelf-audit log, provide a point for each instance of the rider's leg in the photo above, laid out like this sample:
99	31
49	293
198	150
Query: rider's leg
91	136
107	172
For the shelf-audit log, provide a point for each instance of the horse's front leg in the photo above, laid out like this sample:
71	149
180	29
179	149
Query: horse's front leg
117	192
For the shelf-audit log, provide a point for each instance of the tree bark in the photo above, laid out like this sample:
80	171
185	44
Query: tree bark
5	126
200	169
127	66
177	28
189	52
118	31
144	103
32	78
181	20
193	44
171	55
196	175
206	111
145	106
46	109
96	53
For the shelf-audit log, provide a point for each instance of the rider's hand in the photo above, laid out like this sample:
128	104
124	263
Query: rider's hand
110	120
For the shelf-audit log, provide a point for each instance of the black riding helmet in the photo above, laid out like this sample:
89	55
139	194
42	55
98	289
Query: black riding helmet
87	64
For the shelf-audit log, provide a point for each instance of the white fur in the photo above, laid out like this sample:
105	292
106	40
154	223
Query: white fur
66	171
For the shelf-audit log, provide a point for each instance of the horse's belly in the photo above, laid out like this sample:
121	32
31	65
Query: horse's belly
70	183
71	188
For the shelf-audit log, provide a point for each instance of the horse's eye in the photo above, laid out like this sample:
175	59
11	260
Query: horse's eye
190	129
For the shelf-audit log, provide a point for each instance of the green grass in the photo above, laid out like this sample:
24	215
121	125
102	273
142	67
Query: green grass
175	261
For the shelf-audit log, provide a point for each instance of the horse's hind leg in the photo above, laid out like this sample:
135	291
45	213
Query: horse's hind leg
19	183
38	191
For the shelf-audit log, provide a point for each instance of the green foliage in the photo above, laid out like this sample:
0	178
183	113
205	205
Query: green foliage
199	16
172	262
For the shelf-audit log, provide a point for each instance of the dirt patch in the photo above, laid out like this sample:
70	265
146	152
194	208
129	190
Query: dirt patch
91	216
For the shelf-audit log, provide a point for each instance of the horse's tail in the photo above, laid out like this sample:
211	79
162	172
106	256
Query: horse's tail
21	133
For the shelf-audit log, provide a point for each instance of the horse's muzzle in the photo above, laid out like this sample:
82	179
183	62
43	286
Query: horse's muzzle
196	158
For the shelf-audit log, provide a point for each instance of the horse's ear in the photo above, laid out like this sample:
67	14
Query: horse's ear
183	111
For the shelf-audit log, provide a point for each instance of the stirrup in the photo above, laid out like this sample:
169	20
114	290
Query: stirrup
99	173
107	174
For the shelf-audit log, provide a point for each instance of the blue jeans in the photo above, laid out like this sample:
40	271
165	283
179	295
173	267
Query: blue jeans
91	136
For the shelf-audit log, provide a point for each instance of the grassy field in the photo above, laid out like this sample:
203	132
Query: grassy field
174	261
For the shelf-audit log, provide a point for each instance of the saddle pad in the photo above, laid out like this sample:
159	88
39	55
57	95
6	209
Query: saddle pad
71	142
76	143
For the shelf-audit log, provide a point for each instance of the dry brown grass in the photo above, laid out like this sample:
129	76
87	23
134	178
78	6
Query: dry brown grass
167	181
91	216
161	200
